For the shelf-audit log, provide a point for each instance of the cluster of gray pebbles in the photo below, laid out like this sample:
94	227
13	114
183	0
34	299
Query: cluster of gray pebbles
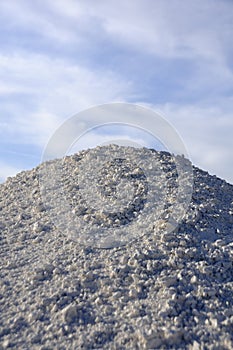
144	286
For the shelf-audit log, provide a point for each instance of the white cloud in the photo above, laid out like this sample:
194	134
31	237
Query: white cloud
7	170
56	88
194	30
37	18
197	32
165	28
207	134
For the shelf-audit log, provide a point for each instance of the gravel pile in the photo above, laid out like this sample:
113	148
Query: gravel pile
152	283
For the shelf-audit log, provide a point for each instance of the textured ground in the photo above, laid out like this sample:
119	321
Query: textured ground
161	291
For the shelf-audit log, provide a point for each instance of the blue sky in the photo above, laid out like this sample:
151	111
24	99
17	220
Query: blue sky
60	57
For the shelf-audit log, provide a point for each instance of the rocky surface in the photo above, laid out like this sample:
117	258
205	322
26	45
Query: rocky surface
163	290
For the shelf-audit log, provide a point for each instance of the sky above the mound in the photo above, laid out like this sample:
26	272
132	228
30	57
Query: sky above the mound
60	57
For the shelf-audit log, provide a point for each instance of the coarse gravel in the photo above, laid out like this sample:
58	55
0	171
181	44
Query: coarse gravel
164	285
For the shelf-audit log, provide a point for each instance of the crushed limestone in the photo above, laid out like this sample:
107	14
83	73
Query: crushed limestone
162	290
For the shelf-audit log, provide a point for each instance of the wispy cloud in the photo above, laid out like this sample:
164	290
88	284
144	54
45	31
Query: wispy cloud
207	134
45	91
6	170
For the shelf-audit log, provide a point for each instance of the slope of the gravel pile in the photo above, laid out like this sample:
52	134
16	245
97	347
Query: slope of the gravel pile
171	291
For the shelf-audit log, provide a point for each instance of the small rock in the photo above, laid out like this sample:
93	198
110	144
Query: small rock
70	313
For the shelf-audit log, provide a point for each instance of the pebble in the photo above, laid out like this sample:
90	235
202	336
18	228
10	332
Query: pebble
70	313
193	279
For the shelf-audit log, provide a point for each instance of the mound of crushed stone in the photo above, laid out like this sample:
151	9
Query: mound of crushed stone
145	288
